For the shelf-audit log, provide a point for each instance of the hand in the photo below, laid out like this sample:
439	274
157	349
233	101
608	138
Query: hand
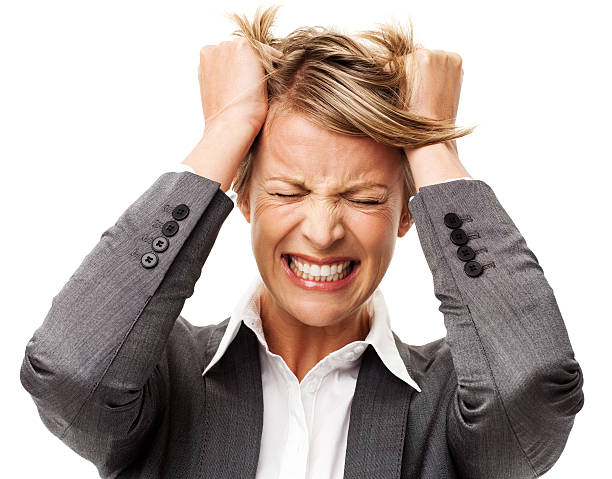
232	85
436	83
235	103
437	77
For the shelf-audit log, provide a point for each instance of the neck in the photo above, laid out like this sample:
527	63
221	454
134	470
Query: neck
301	345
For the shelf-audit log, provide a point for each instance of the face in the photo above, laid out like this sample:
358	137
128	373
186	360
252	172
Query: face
327	198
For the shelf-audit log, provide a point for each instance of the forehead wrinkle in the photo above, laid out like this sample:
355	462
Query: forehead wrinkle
343	178
327	158
355	185
290	133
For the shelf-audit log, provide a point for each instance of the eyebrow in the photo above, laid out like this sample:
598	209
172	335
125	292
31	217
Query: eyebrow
352	187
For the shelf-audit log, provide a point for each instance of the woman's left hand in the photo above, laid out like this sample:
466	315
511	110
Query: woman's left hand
437	83
437	86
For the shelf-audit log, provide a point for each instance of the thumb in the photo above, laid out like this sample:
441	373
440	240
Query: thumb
271	50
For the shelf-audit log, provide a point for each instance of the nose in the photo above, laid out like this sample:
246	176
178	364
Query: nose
322	224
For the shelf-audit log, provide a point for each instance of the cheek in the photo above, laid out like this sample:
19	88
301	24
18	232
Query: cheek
375	231
269	225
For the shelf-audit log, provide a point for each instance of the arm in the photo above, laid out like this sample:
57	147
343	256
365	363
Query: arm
96	367
93	367
518	385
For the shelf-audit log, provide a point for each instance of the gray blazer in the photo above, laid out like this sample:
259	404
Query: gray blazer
116	372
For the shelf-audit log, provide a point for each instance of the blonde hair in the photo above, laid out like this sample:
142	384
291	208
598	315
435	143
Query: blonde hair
338	82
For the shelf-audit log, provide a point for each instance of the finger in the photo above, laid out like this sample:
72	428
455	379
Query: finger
274	51
200	78
271	50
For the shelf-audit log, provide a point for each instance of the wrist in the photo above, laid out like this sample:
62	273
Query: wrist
220	151
433	164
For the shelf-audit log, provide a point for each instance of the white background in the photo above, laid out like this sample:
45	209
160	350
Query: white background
98	99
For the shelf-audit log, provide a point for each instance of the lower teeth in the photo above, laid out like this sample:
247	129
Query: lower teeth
323	279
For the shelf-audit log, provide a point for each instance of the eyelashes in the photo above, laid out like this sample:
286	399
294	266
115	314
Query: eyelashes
359	202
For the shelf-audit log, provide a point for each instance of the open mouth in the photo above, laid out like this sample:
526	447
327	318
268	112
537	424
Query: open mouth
323	277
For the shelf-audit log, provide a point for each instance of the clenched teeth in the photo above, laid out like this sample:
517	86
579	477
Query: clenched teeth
315	272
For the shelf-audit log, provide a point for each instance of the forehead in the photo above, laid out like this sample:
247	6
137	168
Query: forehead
291	145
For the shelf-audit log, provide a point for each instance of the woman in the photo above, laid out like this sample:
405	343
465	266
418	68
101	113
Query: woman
334	149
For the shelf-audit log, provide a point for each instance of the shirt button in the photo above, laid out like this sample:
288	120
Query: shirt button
311	387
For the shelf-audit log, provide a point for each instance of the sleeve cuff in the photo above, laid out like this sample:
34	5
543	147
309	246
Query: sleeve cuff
446	181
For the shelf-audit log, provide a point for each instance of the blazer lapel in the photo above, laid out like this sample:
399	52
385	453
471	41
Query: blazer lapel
379	415
234	408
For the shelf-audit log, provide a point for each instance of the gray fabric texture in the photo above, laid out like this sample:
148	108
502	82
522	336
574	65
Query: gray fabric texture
116	372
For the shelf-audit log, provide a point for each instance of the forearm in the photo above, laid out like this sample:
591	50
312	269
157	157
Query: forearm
221	149
519	386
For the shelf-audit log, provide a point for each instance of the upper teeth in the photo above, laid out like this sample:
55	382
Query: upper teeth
318	270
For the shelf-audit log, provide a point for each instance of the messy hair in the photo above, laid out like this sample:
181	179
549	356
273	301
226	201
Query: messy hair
340	83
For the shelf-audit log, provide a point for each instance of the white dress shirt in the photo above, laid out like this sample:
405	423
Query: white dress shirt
305	424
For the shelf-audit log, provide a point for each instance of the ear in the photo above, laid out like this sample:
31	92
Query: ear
243	204
404	224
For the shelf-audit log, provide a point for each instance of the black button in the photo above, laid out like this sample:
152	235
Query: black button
452	220
170	228
149	260
465	253
180	212
472	268
160	244
459	237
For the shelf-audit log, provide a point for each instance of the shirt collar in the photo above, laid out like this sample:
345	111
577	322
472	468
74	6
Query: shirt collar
380	336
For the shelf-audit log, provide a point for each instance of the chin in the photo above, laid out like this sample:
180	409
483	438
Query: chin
312	316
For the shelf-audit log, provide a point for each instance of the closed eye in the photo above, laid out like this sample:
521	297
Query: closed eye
360	202
373	202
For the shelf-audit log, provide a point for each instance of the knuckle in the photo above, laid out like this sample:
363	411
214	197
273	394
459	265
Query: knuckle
206	50
242	42
456	58
424	55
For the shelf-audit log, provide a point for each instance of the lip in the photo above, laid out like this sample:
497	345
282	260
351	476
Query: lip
312	285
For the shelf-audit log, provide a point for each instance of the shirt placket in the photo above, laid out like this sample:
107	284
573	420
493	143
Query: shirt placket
295	457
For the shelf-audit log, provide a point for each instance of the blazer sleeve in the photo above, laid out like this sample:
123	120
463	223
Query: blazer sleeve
518	386
92	367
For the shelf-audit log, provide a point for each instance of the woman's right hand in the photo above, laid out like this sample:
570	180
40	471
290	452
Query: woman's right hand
232	84
235	104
